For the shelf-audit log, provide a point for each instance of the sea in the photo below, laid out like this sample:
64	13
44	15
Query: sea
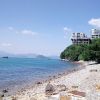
17	73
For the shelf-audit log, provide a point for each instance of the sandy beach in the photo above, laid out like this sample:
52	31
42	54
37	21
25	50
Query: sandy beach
82	84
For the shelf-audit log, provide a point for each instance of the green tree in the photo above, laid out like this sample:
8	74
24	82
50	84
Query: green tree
85	52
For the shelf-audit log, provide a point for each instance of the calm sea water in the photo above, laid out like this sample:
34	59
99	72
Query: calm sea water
16	72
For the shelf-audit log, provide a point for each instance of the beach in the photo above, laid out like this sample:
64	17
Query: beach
19	73
83	84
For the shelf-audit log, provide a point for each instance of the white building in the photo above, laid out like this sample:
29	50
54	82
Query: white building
95	33
80	38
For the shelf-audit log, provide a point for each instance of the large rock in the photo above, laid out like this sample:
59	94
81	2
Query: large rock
54	89
49	90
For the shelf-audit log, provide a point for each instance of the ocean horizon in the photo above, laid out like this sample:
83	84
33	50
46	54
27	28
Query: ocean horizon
18	72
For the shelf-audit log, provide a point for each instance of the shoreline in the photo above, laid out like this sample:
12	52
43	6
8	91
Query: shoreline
81	66
24	82
27	86
39	87
47	80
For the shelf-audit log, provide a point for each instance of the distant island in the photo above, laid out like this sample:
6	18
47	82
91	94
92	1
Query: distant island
28	55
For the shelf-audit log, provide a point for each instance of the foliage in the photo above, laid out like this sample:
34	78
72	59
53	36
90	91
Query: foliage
84	52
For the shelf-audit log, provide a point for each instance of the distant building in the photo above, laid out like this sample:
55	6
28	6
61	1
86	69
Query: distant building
80	38
95	33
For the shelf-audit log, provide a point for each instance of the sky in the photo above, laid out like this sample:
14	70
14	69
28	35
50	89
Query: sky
45	26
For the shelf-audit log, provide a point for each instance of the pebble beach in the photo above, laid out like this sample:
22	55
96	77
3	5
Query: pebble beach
82	84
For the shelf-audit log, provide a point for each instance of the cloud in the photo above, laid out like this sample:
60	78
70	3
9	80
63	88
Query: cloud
67	32
26	32
10	28
6	44
95	22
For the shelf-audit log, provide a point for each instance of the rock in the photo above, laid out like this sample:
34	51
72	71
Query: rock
54	76
61	88
59	74
5	91
93	70
2	95
38	82
74	86
49	90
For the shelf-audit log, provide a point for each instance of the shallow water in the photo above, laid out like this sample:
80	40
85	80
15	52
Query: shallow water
17	72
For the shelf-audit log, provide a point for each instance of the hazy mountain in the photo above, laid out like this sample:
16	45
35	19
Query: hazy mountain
26	55
30	55
42	56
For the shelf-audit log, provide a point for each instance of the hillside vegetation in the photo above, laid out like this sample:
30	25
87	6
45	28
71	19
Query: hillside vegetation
86	52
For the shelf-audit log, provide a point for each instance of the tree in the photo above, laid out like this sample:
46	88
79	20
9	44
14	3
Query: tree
85	52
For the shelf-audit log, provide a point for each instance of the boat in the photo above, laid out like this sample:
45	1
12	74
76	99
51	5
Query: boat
5	57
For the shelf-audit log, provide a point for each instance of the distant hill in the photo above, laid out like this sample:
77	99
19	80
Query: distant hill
41	56
30	55
26	55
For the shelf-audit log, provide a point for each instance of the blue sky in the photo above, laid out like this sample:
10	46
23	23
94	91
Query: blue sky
45	26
